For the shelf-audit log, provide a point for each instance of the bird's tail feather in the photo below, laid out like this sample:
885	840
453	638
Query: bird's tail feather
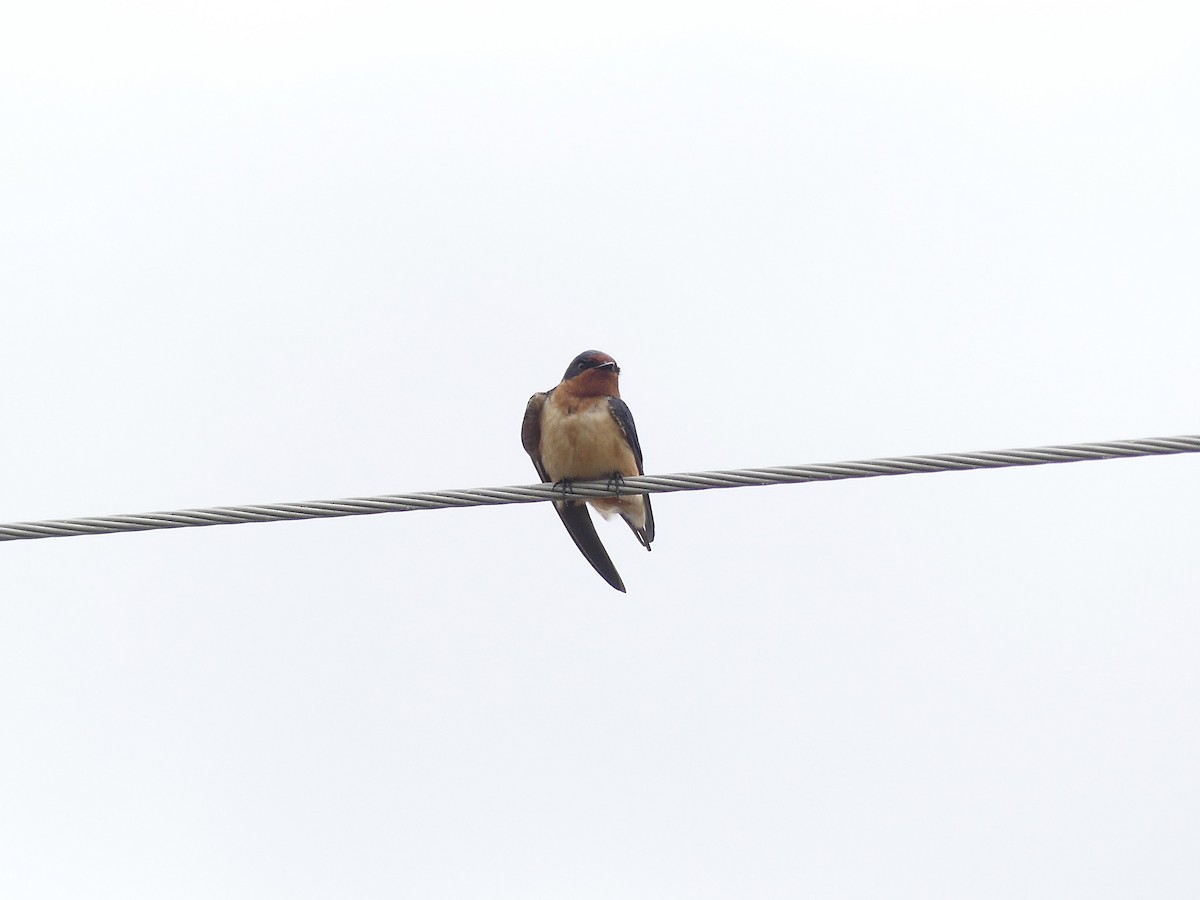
578	520
645	534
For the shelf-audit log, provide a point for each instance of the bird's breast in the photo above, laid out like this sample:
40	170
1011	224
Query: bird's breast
582	440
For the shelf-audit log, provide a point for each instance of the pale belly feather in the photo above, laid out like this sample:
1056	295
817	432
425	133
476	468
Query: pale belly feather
587	444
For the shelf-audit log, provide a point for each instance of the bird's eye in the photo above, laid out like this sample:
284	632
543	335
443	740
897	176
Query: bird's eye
581	365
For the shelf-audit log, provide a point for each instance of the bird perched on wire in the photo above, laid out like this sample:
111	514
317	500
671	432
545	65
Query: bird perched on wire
582	429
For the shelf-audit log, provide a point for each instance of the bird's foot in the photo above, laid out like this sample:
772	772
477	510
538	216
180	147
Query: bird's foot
615	481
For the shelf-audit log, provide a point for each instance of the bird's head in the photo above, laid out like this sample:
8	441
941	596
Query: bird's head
593	374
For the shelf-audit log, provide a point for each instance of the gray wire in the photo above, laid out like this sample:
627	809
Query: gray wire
648	484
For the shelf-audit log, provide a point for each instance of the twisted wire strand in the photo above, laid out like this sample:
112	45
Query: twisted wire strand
648	484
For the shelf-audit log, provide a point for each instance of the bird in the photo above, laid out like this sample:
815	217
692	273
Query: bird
582	429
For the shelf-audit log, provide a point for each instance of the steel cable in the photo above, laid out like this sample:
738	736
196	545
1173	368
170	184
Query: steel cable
648	484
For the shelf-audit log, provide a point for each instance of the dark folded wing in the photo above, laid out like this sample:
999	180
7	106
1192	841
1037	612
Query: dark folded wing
624	418
531	431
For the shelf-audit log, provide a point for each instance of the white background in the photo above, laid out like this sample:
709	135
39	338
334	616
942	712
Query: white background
257	251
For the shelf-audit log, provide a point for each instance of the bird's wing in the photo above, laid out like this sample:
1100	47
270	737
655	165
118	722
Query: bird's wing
531	431
624	418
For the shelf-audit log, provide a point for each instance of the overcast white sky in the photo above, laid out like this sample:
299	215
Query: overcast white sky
255	252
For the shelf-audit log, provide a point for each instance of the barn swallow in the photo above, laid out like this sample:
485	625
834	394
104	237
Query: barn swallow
582	429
